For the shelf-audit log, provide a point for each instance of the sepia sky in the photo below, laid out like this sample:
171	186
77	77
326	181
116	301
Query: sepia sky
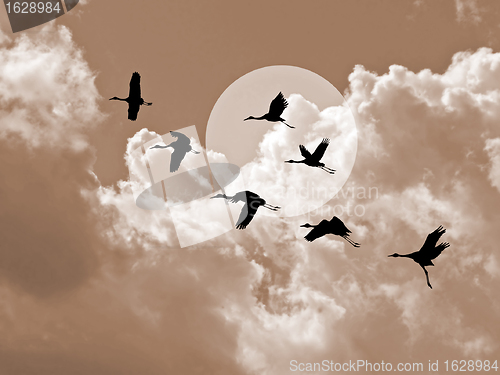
92	284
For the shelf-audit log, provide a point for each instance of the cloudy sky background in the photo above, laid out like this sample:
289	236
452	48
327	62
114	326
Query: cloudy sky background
90	283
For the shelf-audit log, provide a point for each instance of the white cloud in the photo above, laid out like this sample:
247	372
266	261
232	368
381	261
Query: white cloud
418	148
424	142
47	90
269	340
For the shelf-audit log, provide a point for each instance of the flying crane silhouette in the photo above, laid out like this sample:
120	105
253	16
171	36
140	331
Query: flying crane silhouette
334	226
276	108
134	99
181	147
428	251
313	160
252	203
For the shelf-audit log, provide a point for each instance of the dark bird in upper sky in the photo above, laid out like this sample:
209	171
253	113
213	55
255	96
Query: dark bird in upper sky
334	226
428	251
314	159
252	203
134	99
181	147
276	108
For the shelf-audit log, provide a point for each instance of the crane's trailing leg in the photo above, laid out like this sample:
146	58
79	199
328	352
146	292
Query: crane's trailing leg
355	244
272	208
290	126
427	277
329	170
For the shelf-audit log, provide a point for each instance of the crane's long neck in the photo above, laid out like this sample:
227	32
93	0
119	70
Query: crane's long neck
295	161
122	99
396	255
166	146
256	118
221	196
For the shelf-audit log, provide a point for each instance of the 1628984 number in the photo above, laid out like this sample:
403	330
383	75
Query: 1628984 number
32	7
471	365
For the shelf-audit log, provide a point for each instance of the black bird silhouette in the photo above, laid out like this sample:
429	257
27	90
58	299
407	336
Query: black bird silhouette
428	251
334	226
314	159
252	203
276	108
134	99
181	147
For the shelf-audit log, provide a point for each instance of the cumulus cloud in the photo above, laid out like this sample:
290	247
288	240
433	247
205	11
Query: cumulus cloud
81	267
429	143
180	198
48	100
430	166
47	90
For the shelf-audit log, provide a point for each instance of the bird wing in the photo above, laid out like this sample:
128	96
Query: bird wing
320	150
240	197
432	239
434	253
303	150
181	137
316	232
133	110
339	225
175	159
278	105
135	87
246	216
